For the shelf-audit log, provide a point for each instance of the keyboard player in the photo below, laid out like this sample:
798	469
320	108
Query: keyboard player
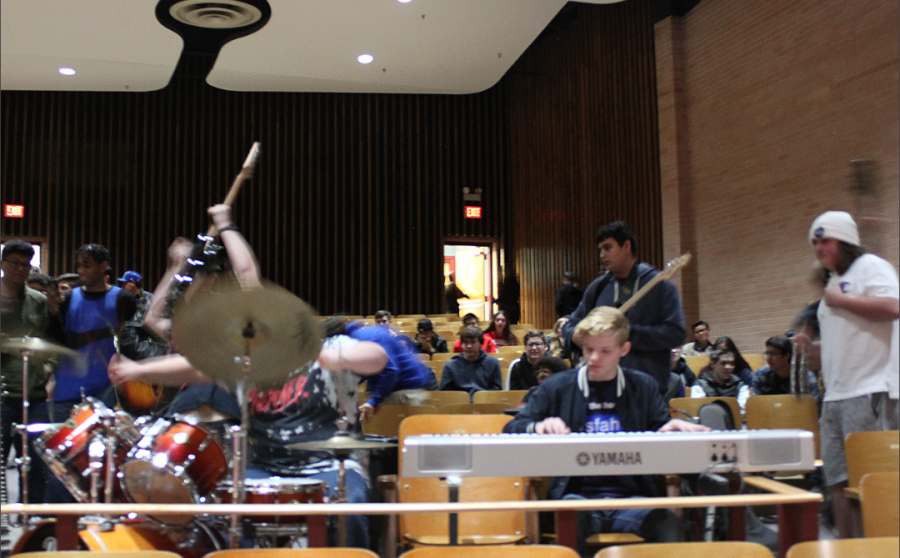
602	397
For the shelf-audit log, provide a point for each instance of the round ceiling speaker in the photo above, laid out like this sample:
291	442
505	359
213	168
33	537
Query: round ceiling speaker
218	14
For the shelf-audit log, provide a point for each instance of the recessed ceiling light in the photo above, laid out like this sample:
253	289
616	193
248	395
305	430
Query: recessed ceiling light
67	71
365	58
404	1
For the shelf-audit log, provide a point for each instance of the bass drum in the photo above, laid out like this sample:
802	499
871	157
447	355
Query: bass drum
190	541
41	538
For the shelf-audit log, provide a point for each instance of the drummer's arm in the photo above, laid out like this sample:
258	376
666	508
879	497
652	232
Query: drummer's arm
240	254
169	370
154	319
364	358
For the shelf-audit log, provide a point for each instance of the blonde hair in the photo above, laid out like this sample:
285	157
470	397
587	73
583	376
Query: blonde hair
604	320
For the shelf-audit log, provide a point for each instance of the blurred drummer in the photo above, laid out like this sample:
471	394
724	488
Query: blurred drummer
308	407
23	311
315	401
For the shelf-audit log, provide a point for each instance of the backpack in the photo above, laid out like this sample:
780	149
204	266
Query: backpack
716	415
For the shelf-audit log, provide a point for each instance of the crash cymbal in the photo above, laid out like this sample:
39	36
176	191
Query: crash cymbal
36	345
341	441
215	326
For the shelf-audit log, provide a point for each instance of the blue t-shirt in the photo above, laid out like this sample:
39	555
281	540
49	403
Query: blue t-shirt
602	418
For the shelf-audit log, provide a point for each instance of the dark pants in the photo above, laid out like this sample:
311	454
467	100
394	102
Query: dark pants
659	525
37	472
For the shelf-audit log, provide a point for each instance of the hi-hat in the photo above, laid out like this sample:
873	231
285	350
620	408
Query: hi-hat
215	327
35	345
341	440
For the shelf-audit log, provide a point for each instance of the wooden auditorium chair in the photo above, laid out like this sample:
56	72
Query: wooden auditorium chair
474	528
475	409
784	411
291	553
387	419
91	553
696	363
441	399
870	452
729	549
755	360
510	398
687	407
518	551
879	499
875	547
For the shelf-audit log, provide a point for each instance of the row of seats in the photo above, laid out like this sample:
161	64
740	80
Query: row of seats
846	548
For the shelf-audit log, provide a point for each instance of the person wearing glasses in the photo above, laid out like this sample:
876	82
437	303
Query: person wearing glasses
24	312
721	380
775	377
523	371
700	346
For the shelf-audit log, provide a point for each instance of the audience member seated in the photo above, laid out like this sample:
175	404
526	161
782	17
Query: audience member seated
473	370
471	320
682	370
558	347
499	331
427	341
523	371
775	379
546	367
719	379
383	317
741	366
701	345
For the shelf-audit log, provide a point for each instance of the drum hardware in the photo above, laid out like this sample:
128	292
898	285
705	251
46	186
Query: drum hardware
26	347
78	451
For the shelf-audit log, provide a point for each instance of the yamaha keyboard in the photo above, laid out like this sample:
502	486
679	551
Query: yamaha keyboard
624	453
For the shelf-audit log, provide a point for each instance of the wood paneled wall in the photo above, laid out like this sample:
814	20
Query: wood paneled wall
348	207
584	146
354	193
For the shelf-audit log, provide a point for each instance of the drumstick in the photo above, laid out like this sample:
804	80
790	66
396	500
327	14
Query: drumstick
246	172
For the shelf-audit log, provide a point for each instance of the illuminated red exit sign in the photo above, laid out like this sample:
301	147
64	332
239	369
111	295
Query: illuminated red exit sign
473	212
10	210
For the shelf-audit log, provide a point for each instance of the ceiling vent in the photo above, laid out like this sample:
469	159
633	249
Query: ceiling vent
220	14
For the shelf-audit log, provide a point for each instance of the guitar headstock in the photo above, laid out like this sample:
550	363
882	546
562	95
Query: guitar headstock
674	265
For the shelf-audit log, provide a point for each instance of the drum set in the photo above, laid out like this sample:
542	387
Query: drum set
103	455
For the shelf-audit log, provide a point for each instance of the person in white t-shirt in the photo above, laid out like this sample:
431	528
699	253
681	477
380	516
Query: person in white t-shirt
858	317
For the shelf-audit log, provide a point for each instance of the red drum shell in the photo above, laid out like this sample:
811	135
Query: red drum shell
277	490
176	461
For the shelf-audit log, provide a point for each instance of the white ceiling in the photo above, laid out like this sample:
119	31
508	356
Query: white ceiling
424	46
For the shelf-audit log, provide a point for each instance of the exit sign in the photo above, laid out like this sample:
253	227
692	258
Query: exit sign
10	210
473	212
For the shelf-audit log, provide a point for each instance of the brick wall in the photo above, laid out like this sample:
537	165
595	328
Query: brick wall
762	107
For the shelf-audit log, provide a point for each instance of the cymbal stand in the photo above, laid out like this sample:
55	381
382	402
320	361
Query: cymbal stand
110	423
25	458
341	455
239	439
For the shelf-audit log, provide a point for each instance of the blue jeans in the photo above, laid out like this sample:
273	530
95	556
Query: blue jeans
357	493
37	471
653	525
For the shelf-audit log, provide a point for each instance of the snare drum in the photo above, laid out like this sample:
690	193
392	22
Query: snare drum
69	449
277	490
176	461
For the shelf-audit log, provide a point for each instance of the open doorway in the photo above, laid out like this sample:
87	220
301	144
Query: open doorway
474	270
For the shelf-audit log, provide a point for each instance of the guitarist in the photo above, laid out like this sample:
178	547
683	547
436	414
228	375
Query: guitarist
657	319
